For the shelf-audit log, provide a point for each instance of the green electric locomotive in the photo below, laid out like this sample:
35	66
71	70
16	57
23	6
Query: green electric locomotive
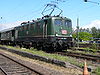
48	32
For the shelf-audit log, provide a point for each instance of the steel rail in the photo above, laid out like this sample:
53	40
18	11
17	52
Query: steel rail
3	71
19	64
80	55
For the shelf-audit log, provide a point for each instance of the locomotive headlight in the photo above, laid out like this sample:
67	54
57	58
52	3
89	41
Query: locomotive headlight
70	35
56	34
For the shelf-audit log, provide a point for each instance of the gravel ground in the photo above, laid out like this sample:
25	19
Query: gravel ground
62	70
1	73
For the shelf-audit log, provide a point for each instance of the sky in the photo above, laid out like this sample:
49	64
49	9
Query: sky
13	12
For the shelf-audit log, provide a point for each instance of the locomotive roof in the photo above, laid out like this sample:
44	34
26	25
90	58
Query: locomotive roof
55	17
43	18
39	19
61	18
5	30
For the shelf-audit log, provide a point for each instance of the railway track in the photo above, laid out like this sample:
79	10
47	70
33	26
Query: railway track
2	71
81	55
10	67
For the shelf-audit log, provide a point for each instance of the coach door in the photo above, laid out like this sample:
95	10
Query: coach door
13	35
45	29
16	34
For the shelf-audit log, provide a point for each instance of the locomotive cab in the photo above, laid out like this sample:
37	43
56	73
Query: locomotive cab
61	32
62	27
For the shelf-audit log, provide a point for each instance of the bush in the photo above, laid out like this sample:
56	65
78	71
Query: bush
94	46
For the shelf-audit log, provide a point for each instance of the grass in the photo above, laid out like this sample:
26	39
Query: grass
97	71
87	51
57	57
52	56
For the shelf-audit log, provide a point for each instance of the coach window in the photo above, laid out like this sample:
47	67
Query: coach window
13	33
39	24
25	27
20	28
29	26
8	34
32	25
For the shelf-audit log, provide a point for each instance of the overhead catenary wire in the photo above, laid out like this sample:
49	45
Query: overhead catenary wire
10	12
30	13
13	10
40	9
25	15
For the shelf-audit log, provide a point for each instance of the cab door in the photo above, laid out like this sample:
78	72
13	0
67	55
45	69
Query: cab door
45	29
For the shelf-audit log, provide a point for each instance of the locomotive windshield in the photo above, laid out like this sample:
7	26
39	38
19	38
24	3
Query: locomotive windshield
68	23
58	22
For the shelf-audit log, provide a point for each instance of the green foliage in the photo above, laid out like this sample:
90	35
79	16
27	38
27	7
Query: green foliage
95	32
94	46
98	33
53	56
74	36
85	36
97	71
90	50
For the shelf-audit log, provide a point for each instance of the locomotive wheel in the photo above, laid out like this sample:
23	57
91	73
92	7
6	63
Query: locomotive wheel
54	47
39	47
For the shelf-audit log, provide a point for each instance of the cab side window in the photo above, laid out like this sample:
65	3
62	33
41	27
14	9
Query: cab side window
68	24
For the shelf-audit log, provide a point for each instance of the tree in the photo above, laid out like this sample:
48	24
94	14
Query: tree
85	30
85	36
98	33
94	32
